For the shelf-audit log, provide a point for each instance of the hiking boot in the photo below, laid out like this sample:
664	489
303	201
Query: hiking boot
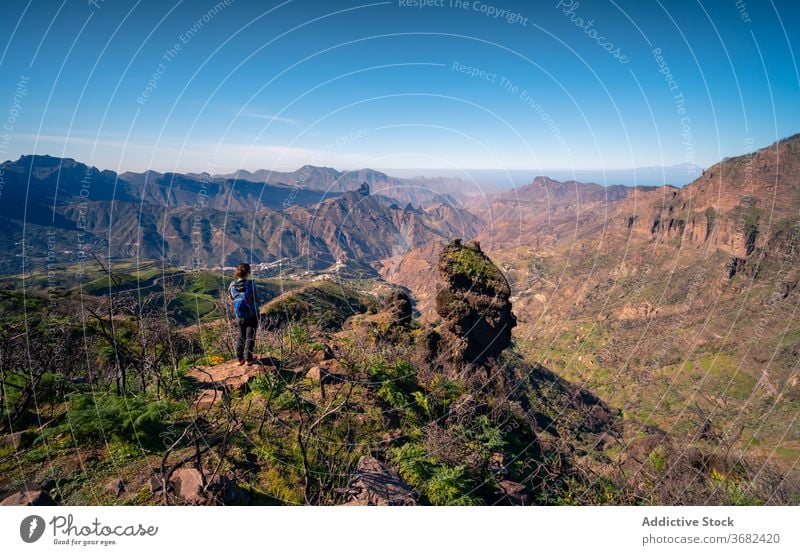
241	362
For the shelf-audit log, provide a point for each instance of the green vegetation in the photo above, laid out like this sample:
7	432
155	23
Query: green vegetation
324	304
657	459
130	419
474	264
118	393
441	484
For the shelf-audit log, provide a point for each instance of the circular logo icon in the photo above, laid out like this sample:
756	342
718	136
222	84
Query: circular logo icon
31	528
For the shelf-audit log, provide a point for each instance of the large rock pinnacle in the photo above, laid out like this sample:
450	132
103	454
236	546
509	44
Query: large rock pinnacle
473	303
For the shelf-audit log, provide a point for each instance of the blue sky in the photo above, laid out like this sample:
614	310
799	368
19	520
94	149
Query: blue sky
385	85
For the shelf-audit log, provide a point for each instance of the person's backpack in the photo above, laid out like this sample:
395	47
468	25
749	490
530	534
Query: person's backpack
243	298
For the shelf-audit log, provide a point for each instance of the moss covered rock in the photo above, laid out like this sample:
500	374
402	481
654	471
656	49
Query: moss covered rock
473	303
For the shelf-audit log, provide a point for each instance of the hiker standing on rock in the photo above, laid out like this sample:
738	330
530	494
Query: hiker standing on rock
245	299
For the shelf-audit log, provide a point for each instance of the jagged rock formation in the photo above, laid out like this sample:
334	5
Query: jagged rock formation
473	303
364	228
419	190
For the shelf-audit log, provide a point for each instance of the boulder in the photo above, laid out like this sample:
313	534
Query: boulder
225	491
213	381
427	344
155	484
375	484
322	354
317	373
222	490
116	486
12	440
33	498
329	371
188	484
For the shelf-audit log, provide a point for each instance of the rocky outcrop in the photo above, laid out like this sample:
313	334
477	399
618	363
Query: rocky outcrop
375	484
191	488
473	303
734	266
398	306
31	498
676	223
12	440
116	486
189	485
215	381
328	371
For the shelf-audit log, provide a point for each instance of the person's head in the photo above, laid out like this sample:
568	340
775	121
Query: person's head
242	271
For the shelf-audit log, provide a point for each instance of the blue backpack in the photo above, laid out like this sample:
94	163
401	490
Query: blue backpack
243	296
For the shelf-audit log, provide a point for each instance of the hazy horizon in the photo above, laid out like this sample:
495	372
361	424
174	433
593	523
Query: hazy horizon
678	175
499	178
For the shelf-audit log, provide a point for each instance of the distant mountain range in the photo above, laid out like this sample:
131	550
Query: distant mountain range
315	215
61	208
489	180
417	190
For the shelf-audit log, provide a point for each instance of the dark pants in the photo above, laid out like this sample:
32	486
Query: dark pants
247	337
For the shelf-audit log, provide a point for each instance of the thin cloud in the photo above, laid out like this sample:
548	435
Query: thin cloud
270	117
171	154
75	140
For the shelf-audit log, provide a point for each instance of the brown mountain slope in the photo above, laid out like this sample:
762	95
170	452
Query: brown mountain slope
362	227
680	305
